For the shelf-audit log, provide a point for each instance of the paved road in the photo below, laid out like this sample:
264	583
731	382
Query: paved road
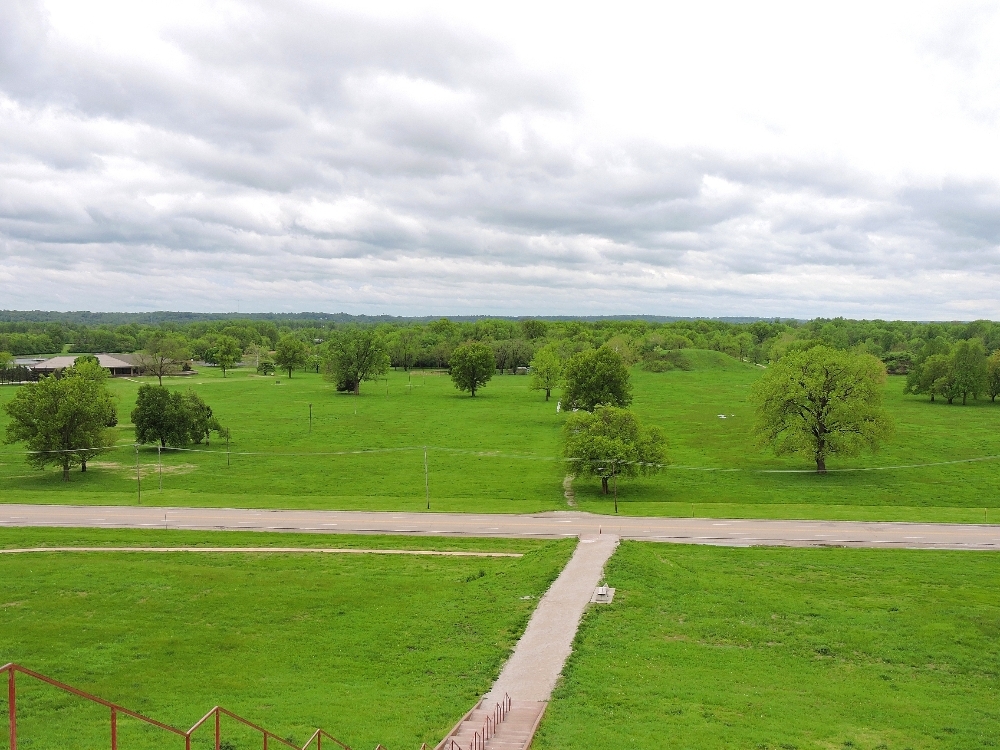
541	526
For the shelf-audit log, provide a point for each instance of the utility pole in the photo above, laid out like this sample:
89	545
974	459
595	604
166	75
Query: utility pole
427	485
138	479
159	466
614	475
310	417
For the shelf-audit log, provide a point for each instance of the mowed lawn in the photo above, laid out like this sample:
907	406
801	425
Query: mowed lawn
773	649
717	470
374	648
363	452
500	452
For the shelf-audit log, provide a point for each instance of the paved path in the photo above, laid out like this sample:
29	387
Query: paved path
530	674
533	668
541	525
265	550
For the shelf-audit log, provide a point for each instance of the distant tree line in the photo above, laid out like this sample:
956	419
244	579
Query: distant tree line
950	361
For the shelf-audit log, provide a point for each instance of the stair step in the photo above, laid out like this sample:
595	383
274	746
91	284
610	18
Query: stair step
513	733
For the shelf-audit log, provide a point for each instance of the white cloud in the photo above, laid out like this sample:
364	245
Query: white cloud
679	158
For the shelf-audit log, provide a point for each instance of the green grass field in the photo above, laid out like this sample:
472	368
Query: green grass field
390	649
774	649
499	452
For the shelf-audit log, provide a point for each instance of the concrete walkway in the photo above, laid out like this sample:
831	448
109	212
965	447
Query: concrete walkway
533	669
264	550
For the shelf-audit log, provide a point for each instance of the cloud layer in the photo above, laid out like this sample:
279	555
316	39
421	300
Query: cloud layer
311	159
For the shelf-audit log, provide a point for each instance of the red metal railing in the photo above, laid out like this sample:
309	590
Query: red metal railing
489	729
13	669
482	736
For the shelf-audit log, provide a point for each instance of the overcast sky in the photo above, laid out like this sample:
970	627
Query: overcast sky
527	158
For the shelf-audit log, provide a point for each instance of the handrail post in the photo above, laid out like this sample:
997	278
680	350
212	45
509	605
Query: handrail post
187	741
12	708
265	740
114	729
217	735
319	741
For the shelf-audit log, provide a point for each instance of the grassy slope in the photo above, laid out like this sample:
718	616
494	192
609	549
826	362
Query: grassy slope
508	420
782	648
389	649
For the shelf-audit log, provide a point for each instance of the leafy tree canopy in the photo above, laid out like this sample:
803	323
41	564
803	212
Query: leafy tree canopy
472	366
943	370
290	353
163	355
226	352
822	402
354	355
610	442
546	370
171	418
597	377
64	421
993	376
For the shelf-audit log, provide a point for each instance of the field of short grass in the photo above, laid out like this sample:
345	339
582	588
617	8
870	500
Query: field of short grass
785	649
391	649
499	452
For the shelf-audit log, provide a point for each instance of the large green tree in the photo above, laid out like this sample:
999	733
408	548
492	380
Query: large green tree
993	375
822	402
226	352
597	377
171	418
163	355
472	365
932	376
290	353
610	442
968	365
355	355
546	370
405	345
64	421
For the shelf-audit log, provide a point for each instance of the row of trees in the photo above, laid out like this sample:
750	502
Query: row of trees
953	371
514	342
67	419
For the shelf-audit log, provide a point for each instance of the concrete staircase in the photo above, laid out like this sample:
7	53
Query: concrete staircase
513	733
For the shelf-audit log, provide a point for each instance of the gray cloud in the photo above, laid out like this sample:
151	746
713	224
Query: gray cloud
309	160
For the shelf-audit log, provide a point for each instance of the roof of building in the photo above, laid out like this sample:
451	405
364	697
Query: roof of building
107	360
